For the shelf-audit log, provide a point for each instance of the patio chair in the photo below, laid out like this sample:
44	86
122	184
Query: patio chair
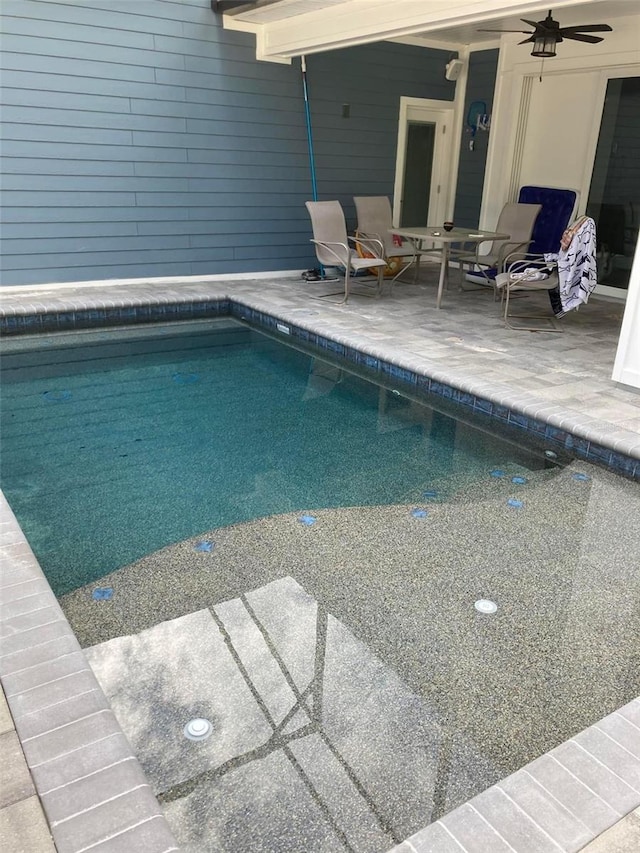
517	220
569	275
375	222
332	247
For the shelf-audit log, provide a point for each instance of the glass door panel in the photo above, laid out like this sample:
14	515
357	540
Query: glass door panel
614	195
418	168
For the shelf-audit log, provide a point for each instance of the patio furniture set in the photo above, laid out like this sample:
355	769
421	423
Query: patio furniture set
530	250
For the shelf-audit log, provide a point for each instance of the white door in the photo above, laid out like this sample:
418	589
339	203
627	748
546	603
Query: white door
423	162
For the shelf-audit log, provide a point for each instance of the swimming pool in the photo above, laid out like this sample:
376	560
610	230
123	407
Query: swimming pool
153	435
349	548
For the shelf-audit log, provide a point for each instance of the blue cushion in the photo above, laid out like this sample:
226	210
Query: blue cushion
557	207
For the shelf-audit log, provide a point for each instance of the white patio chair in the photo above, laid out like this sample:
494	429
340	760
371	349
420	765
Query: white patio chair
515	219
571	273
527	275
375	222
332	247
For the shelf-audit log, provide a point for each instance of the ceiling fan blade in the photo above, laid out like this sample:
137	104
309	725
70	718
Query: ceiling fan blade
579	37
534	24
523	32
526	41
590	28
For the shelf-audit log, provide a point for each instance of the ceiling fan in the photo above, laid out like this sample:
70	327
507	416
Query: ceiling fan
548	33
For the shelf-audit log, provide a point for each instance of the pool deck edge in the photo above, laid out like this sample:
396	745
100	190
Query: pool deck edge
90	785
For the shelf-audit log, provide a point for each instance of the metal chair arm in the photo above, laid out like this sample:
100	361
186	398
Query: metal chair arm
518	261
370	242
343	260
503	254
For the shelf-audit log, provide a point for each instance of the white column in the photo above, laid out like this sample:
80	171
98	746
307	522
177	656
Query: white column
627	365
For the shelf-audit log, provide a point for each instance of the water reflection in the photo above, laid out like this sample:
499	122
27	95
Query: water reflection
317	745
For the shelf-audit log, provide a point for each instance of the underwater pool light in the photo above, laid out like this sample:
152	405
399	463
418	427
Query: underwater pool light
198	729
483	605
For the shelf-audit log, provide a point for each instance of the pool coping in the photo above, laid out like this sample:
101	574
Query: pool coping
93	791
71	739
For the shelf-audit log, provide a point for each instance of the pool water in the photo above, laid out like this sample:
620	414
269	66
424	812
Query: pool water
246	533
116	445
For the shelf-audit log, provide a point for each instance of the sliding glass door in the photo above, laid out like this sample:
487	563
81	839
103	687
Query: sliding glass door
614	195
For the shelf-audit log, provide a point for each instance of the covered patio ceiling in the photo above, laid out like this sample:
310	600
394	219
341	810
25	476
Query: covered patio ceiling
287	28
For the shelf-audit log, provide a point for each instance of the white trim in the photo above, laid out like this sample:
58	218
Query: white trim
174	279
490	44
261	51
520	136
617	294
434	44
442	114
345	25
626	368
452	46
457	130
494	174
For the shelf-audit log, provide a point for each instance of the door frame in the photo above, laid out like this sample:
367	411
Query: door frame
440	113
512	106
606	74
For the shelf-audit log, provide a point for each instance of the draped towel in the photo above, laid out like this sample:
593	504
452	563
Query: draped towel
577	271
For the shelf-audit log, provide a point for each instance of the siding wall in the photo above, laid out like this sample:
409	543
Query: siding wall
480	86
357	155
142	139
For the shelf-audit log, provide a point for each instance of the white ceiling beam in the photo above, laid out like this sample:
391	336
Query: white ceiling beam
364	21
418	41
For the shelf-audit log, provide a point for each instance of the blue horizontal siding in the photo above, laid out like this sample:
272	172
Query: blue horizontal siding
77	135
20	97
29	231
120	17
87	212
73	151
143	139
29	168
45	47
73	258
84	118
72	30
17	61
51	245
50	82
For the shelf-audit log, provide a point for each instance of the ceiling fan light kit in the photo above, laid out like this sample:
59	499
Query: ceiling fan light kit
544	46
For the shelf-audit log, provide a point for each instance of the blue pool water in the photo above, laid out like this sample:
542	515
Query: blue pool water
118	443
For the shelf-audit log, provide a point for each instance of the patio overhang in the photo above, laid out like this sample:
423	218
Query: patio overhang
285	29
288	28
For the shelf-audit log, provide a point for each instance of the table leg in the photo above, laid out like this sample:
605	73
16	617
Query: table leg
444	267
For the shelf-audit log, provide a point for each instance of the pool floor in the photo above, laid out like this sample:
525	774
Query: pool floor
355	692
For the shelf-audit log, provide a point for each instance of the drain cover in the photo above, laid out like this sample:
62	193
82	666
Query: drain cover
198	729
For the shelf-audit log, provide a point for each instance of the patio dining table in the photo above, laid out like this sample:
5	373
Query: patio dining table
437	234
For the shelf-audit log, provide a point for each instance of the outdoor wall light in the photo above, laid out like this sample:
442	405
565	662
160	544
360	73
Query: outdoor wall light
545	45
